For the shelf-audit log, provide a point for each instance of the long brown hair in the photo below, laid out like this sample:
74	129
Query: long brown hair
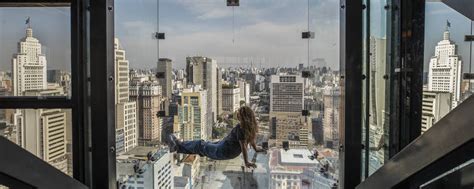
248	123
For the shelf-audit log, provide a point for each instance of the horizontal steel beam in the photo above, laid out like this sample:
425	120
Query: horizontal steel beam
35	102
26	168
452	132
464	7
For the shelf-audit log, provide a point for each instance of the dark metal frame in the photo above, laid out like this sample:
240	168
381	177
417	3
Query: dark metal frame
102	87
367	93
350	128
449	143
405	52
78	101
15	160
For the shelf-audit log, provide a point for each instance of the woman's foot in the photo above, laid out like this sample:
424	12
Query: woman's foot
172	142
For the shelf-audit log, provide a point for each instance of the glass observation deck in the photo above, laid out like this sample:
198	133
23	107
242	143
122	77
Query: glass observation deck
346	94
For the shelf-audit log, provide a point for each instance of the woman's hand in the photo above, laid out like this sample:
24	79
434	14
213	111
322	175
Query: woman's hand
259	149
250	165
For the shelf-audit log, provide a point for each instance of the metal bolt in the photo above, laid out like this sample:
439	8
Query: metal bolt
112	149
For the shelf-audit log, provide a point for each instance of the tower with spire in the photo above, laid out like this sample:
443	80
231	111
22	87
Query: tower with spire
445	68
29	64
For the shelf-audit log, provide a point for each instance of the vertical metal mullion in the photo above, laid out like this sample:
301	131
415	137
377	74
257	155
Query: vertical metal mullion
393	50
79	90
407	56
367	88
350	129
102	94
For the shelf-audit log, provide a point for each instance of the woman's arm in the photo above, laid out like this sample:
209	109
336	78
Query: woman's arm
254	146
243	147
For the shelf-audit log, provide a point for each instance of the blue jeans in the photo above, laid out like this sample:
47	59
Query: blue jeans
221	150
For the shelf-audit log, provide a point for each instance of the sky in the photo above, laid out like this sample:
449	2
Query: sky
266	32
50	25
435	24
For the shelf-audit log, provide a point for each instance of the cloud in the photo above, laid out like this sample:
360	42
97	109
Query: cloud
268	30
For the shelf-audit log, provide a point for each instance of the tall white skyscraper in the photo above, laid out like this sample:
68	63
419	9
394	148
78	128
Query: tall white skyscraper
29	65
445	70
126	111
121	74
40	131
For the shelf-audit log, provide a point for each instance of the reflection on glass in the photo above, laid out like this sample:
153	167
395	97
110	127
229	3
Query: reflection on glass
35	53
191	83
447	62
46	133
375	96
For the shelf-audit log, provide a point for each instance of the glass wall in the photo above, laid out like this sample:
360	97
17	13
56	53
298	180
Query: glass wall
45	133
35	60
447	75
35	55
191	65
447	62
376	87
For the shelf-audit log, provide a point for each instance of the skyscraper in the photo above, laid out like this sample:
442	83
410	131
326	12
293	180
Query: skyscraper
331	100
43	131
147	95
244	91
286	93
145	167
435	105
29	65
219	92
203	71
163	74
126	110
121	73
230	98
164	69
445	69
286	105
192	113
377	108
40	131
